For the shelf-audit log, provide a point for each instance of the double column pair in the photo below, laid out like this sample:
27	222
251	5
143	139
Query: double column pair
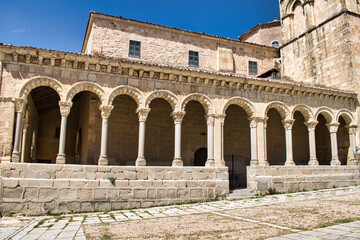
177	117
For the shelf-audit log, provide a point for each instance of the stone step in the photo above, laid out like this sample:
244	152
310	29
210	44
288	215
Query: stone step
240	194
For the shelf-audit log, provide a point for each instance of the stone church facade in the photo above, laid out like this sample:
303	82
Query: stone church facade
151	115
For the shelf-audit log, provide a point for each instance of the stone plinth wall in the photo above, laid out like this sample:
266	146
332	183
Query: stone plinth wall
299	178
43	188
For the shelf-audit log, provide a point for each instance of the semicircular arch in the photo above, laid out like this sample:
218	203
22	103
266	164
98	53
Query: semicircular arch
85	86
126	90
304	110
326	112
204	100
164	94
280	107
241	102
41	81
346	115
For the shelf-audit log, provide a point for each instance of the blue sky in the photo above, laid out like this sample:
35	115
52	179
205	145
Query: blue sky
61	25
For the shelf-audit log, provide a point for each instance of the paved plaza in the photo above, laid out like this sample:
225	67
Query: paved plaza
81	226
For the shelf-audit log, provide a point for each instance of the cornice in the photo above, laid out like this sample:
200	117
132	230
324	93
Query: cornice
131	68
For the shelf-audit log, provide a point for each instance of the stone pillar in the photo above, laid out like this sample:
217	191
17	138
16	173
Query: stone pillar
105	114
20	104
261	141
352	140
253	142
288	123
143	114
210	141
219	140
23	142
312	143
333	127
65	108
178	117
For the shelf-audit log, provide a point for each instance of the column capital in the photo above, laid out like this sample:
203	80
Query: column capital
65	108
220	117
178	116
210	119
352	128
106	110
311	125
20	104
288	123
333	127
143	113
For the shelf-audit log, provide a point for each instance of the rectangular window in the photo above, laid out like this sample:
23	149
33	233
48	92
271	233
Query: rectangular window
193	59
253	68
134	49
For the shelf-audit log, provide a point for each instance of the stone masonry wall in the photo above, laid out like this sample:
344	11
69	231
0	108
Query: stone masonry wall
111	38
299	178
43	188
265	36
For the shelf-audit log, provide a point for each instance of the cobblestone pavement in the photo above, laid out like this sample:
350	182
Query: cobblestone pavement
70	226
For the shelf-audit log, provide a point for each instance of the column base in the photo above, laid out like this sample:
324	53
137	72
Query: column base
254	162
353	162
140	161
15	157
103	161
220	163
177	162
335	162
289	163
60	159
210	163
313	162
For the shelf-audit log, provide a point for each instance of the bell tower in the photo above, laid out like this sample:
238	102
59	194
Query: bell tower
321	42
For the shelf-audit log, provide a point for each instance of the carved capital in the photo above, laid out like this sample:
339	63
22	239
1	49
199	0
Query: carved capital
288	123
221	118
311	125
106	110
253	122
210	119
352	129
178	116
65	108
333	127
143	113
20	104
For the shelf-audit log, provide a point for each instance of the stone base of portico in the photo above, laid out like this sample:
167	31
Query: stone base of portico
300	178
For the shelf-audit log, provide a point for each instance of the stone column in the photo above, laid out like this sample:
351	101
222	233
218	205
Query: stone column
178	117
65	108
288	123
219	140
253	142
312	143
333	127
210	141
20	104
352	140
261	141
105	114
23	142
143	114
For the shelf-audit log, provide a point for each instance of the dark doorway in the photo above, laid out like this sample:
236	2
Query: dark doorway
237	171
200	157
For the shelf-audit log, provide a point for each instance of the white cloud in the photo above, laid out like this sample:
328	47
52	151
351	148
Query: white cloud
20	30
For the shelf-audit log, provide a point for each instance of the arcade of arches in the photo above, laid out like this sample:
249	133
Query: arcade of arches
84	130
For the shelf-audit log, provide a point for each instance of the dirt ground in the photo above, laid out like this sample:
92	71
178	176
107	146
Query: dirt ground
298	215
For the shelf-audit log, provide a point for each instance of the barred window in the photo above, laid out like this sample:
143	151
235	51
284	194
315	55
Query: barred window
134	49
193	59
253	68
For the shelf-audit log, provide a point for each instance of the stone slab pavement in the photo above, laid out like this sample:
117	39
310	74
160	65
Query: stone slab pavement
69	227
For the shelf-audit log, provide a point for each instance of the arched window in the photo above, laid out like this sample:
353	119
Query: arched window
275	44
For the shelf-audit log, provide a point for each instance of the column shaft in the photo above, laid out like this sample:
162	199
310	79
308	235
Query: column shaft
288	123
210	142
254	149
16	153
140	161
61	157
312	148
23	144
103	160
177	156
352	148
219	140
333	127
